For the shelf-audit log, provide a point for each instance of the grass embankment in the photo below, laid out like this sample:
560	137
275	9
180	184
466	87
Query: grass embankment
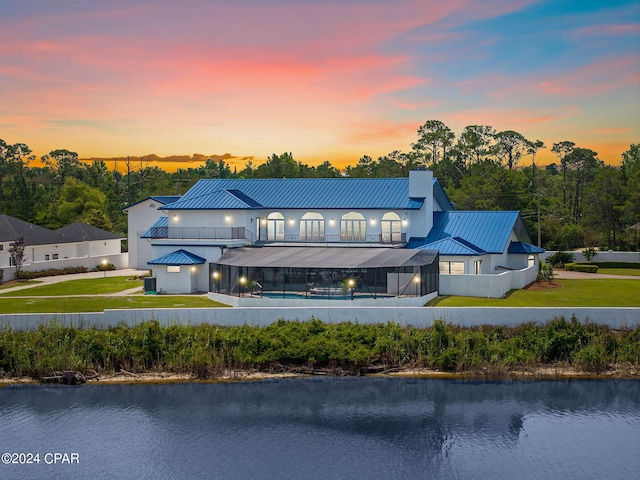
99	294
206	351
596	292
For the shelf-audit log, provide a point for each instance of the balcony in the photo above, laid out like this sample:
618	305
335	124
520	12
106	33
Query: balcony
202	233
379	239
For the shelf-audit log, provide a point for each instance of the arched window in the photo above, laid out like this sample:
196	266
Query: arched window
312	227
390	225
275	226
353	227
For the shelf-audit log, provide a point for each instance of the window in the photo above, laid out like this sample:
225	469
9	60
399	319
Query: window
46	257
55	256
173	268
452	268
477	267
312	227
275	226
531	261
390	224
1	247
353	227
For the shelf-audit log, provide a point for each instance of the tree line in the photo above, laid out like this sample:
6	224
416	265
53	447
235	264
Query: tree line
578	201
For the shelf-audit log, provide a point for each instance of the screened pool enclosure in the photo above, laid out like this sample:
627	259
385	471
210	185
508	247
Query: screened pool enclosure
325	272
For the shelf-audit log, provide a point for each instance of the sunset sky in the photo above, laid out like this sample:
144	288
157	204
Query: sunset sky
324	79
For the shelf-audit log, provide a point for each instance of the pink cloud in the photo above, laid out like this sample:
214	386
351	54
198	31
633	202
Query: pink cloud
595	79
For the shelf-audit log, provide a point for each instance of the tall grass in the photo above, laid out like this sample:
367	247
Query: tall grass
206	351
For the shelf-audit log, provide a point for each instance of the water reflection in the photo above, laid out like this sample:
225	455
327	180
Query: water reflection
330	428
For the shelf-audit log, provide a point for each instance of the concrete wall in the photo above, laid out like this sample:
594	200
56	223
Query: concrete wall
120	261
487	286
416	316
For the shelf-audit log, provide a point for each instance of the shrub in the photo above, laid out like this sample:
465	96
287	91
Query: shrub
589	253
51	272
581	267
545	273
560	258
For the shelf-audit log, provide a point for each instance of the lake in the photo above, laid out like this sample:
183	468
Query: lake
323	428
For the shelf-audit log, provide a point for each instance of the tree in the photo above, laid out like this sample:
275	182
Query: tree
562	149
509	147
475	143
584	164
604	206
279	166
434	140
78	201
16	253
63	164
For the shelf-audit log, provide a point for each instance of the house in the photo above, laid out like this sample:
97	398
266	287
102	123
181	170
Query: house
348	238
74	245
140	216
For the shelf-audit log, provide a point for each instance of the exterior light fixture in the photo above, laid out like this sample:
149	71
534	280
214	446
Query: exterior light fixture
332	221
372	221
243	280
216	275
352	284
104	267
227	218
404	222
291	221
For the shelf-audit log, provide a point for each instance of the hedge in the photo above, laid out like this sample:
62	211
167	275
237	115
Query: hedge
581	267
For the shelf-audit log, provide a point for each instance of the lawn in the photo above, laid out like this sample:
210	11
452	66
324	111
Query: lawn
98	304
635	272
89	286
569	293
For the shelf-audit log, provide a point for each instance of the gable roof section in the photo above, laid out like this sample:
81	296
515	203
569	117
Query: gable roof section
81	232
161	199
179	257
300	193
12	228
524	247
440	196
452	246
227	199
488	231
160	229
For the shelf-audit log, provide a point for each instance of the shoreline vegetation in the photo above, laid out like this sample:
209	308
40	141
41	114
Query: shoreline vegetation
149	352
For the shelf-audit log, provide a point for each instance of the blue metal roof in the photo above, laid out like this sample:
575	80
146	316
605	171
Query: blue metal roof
158	230
488	231
453	246
161	199
524	247
220	199
300	193
179	257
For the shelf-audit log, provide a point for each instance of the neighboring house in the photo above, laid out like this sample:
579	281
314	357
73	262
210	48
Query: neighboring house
73	245
141	216
343	237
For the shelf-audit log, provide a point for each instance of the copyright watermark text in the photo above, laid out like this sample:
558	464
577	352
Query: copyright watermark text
34	458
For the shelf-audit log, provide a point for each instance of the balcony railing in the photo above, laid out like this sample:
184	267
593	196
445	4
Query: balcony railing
385	239
203	233
241	233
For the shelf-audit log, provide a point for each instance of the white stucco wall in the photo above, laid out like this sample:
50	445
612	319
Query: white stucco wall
489	285
416	316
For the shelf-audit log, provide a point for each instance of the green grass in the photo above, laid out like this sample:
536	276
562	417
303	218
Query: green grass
635	272
19	284
572	293
98	304
90	286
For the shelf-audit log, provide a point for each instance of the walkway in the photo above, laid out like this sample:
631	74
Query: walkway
582	275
